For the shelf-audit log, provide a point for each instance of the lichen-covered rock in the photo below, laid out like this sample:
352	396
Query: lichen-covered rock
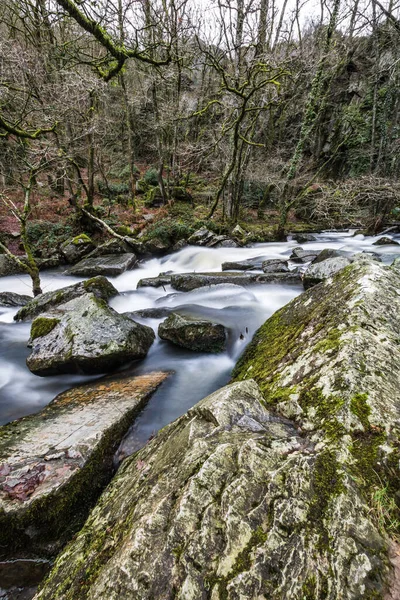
108	264
85	335
186	282
229	502
99	286
193	333
328	360
318	272
75	249
13	299
54	464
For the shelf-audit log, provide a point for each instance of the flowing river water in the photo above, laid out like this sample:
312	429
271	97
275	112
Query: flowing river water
241	310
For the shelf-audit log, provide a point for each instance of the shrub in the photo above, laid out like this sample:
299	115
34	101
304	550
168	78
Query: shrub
151	176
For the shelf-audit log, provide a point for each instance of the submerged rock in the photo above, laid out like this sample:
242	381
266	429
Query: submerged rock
185	282
197	334
13	299
53	465
75	249
318	272
110	264
228	502
99	286
385	241
85	336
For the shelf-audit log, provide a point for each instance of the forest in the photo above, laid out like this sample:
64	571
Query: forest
199	300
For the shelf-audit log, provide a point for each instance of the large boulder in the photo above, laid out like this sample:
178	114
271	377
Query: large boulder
229	502
328	360
85	335
193	333
108	264
99	286
185	282
251	264
76	248
54	464
330	253
13	299
318	272
205	237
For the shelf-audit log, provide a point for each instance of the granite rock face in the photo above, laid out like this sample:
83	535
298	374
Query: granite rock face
54	464
85	335
99	286
199	335
229	502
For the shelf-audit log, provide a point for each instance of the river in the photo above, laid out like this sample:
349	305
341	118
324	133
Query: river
241	310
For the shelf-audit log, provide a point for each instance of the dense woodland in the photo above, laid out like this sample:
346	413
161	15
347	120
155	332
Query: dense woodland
258	110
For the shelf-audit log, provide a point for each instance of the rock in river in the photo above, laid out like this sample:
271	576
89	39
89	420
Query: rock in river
99	286
320	271
54	464
196	334
270	491
185	282
109	264
85	336
12	299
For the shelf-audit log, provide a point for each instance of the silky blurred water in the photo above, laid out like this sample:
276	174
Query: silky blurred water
241	310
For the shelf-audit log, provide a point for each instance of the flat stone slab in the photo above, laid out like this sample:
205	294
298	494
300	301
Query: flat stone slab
185	282
55	463
155	282
110	264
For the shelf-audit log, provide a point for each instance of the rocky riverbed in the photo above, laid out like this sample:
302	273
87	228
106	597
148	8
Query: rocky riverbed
205	316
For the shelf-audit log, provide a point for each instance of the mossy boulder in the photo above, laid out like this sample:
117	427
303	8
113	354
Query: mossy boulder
76	248
85	336
99	286
328	360
54	464
107	264
10	267
228	502
197	334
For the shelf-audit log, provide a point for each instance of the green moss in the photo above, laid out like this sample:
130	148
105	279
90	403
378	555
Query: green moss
327	484
43	326
360	408
330	342
81	239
